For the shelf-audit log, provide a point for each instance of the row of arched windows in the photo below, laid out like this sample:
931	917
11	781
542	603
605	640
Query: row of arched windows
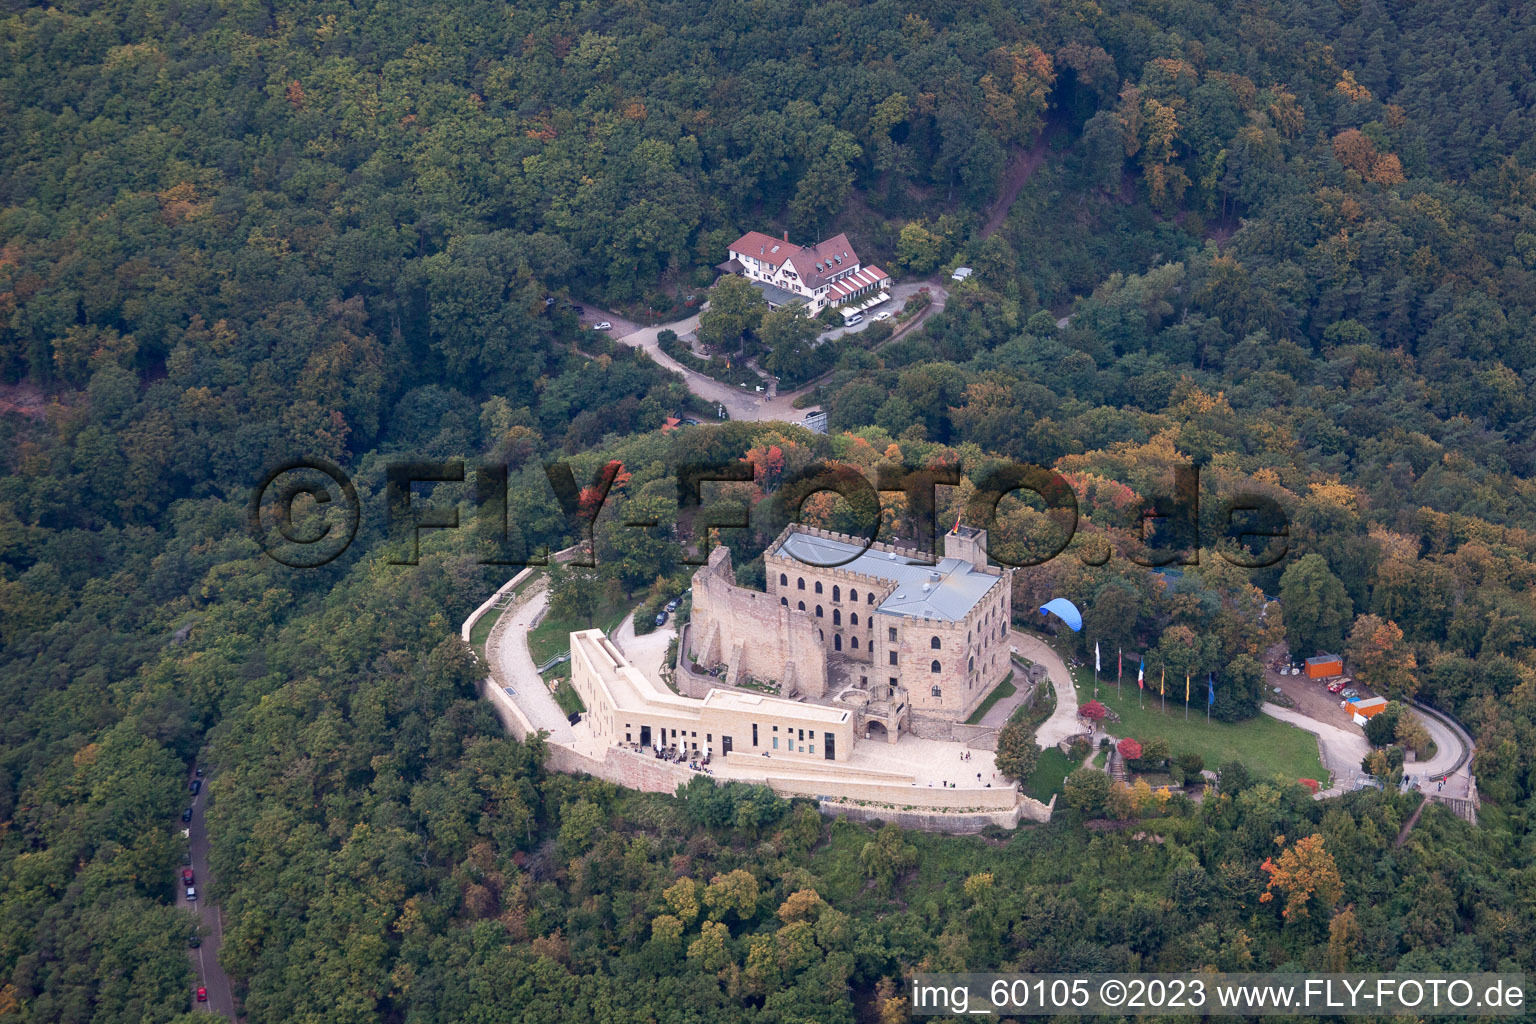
837	591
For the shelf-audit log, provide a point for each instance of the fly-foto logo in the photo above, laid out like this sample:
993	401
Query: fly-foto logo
1169	527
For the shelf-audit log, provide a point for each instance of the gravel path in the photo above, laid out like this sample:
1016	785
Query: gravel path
512	667
1063	721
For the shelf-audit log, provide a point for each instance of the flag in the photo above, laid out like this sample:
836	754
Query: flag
1186	687
1210	689
957	523
1097	668
1162	682
1141	674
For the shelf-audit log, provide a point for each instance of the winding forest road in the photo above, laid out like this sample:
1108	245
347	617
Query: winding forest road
210	924
1063	721
740	404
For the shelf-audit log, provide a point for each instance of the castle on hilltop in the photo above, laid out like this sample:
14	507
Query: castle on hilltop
882	627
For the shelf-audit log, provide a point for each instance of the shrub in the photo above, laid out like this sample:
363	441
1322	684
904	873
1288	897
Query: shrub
1086	789
1129	749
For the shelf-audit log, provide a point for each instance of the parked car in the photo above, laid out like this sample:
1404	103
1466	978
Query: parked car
187	877
882	316
661	618
849	321
196	786
191	894
194	940
672	604
602	325
689	421
202	994
1335	687
186	815
199	773
1349	692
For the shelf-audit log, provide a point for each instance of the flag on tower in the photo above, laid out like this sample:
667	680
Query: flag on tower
957	523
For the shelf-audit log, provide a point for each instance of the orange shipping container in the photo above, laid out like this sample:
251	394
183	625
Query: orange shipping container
1324	665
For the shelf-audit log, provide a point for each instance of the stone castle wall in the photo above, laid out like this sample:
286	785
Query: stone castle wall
752	633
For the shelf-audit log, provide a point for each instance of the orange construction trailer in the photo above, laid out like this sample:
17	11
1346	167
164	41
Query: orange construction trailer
1325	666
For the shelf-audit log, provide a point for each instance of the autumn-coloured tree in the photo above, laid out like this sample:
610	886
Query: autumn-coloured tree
1016	90
1093	712
1305	871
1355	150
1343	939
1129	749
734	892
1379	657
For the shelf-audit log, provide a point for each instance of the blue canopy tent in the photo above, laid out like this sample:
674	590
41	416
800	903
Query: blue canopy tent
1064	610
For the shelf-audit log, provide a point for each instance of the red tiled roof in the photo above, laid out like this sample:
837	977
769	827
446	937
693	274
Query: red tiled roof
814	265
866	277
764	247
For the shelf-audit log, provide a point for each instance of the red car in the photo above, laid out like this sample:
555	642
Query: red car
1335	687
202	994
186	876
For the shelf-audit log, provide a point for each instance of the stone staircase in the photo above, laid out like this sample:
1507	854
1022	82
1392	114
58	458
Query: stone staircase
1117	766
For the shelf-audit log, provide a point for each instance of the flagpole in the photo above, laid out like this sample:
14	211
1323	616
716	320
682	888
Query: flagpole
1186	696
1162	687
1120	674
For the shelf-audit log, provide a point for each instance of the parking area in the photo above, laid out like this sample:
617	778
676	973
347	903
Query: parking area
1311	696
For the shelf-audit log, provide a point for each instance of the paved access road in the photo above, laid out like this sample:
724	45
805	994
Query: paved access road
741	404
205	958
511	666
1063	721
1343	748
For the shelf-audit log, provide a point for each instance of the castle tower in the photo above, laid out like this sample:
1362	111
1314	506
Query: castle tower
967	543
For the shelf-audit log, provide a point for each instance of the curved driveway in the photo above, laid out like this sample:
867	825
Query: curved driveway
512	667
740	404
1063	721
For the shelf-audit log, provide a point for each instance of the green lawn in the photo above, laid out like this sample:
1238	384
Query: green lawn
568	699
1004	689
1053	767
482	629
553	636
1266	745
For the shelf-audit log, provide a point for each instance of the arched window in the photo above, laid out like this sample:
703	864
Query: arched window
837	617
934	643
783	580
972	665
802	606
870	599
800	583
818	586
837	592
784	601
837	641
855	642
853	595
818	611
853	618
821	636
934	667
937	691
